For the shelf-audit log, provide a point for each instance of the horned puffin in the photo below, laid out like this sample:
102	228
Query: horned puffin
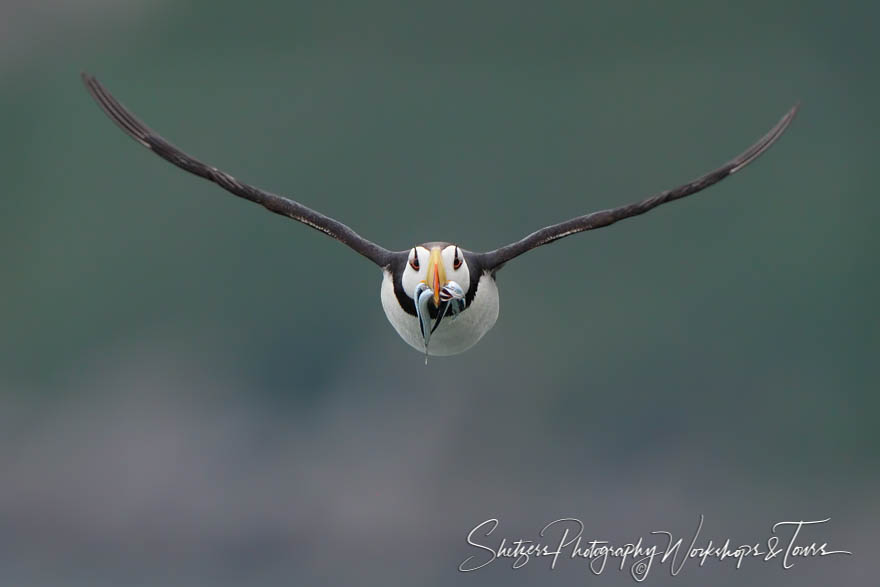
439	297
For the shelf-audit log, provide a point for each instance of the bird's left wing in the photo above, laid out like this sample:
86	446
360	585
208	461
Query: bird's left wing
493	260
151	140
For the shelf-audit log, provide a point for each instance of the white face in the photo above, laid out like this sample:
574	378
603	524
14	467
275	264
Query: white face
454	268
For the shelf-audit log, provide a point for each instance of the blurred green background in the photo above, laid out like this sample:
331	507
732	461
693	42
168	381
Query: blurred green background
194	391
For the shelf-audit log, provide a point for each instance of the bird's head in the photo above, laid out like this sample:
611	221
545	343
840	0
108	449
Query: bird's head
436	276
441	267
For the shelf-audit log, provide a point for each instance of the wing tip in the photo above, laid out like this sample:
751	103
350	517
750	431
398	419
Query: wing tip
768	139
116	111
792	112
90	81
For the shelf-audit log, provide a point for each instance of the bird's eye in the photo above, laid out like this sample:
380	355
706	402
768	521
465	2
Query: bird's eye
456	261
414	261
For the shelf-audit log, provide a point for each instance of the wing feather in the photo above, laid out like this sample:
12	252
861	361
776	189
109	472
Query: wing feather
493	260
280	205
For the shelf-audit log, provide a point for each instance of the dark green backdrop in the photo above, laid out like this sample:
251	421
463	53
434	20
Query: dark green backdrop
196	392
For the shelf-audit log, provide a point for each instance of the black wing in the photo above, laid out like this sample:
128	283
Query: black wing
151	140
493	260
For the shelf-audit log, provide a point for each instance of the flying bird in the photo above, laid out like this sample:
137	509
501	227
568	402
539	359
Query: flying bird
440	298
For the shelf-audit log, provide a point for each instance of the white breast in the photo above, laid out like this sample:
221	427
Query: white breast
454	335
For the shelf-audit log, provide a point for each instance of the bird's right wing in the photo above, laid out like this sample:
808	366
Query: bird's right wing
151	140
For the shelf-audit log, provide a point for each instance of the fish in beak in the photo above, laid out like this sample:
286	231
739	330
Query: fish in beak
445	295
452	299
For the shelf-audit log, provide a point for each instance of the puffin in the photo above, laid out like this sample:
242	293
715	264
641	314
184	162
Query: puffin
439	297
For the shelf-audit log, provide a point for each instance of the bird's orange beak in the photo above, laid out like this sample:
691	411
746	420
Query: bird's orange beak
436	274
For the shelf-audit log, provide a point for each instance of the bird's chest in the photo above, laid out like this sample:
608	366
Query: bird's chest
455	334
